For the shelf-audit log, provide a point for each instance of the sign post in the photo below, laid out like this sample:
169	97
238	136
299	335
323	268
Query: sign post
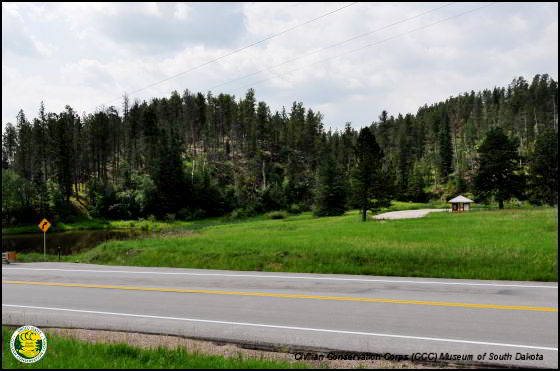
44	226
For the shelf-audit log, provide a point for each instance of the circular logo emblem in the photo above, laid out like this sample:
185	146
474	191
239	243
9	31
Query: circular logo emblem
28	344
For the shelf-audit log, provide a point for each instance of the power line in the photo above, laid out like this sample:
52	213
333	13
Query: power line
237	50
370	45
331	46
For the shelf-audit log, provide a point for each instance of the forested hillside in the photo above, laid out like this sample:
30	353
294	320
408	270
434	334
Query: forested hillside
193	155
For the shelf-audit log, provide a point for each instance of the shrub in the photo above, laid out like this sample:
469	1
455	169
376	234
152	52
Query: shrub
294	209
514	203
242	213
196	214
277	215
236	214
183	214
170	217
271	198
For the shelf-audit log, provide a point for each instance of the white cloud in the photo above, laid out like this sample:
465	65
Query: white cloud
88	54
182	11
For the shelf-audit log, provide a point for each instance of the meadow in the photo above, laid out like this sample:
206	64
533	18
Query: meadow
510	244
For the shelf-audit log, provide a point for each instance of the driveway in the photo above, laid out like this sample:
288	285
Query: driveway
406	214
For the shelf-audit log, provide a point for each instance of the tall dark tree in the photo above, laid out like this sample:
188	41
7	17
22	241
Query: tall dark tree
9	146
24	156
445	148
416	186
366	175
172	190
62	154
544	167
405	153
498	168
331	188
40	162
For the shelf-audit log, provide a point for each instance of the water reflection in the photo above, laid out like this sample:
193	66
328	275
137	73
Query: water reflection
70	242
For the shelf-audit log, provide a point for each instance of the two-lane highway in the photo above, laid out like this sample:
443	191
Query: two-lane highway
396	315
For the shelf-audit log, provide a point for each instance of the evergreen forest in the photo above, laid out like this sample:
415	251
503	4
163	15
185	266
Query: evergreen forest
191	155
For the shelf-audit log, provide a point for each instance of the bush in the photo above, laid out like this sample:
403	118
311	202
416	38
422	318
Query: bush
237	214
170	217
271	198
151	218
315	210
197	214
277	215
183	214
294	209
513	203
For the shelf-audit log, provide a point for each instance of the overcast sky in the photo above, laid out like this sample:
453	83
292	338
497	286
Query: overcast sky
88	54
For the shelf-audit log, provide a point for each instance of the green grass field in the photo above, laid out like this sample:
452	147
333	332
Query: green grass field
70	353
515	244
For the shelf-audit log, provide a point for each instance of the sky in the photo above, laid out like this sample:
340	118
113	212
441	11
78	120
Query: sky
87	55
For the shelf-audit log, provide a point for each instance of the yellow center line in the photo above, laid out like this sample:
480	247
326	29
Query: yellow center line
295	296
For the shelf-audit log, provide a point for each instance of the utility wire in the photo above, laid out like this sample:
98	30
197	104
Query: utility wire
238	50
370	45
330	46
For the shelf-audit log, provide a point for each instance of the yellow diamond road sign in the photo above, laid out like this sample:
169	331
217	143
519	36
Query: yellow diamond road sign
44	225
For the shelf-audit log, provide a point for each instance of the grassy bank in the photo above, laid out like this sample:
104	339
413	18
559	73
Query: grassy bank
496	244
70	353
141	224
85	223
93	223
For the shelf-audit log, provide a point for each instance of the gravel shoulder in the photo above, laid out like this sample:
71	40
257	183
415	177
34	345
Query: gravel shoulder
225	349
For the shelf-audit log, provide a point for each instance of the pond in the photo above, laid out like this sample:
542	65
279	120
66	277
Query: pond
70	242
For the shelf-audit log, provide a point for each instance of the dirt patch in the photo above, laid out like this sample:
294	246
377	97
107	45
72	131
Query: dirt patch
223	349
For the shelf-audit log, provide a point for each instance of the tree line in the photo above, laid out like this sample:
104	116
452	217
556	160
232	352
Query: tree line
193	155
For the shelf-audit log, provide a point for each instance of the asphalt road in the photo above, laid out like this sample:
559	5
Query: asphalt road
396	315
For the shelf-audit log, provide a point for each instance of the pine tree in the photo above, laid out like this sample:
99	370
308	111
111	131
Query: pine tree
172	191
331	188
9	146
445	148
64	153
24	153
498	167
416	187
367	173
544	168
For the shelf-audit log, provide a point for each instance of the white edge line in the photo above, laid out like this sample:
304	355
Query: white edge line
290	277
287	327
